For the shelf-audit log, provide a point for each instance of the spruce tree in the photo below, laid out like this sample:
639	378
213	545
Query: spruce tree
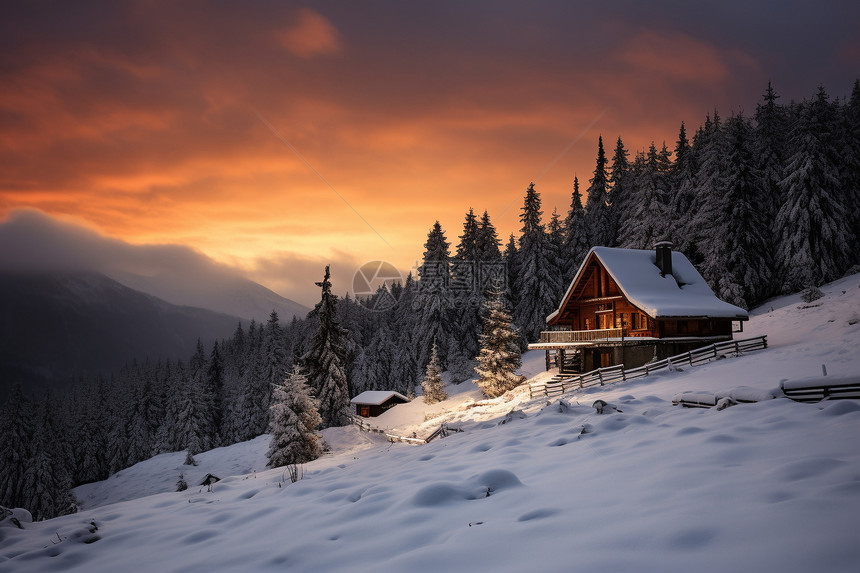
434	299
465	276
850	115
487	242
683	181
500	356
737	262
538	277
294	418
646	224
215	390
555	244
324	361
47	484
16	423
597	208
575	236
434	390
619	192
770	138
509	257
815	237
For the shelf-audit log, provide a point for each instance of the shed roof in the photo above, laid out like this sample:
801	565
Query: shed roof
376	397
684	293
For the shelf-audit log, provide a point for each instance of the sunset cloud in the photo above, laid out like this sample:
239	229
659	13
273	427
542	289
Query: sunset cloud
311	35
142	118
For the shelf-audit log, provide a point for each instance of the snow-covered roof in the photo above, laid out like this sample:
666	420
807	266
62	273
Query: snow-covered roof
376	397
684	293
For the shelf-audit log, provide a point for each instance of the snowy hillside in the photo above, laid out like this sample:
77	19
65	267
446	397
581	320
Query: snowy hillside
528	485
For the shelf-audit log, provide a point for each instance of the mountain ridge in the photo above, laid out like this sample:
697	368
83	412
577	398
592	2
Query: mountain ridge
56	326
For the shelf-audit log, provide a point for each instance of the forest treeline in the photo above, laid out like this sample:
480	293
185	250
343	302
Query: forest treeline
762	205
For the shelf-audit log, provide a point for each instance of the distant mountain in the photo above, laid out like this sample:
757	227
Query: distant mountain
32	241
55	326
215	289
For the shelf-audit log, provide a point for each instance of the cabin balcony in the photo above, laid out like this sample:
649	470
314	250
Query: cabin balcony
568	336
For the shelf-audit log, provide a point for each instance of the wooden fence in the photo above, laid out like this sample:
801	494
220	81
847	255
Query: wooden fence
618	373
442	431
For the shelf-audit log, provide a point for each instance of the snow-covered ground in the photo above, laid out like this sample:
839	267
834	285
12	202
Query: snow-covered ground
528	485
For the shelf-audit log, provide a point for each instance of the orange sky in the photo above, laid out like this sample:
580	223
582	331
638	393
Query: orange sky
141	119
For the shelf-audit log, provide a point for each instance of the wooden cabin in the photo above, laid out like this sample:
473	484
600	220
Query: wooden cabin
629	306
374	402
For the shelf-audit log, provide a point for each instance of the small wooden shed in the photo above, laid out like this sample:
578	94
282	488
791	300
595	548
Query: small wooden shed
374	402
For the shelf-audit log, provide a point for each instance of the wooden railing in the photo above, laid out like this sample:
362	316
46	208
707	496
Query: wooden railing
442	431
559	336
618	373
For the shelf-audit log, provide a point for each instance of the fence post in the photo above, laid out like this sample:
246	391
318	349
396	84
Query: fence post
737	348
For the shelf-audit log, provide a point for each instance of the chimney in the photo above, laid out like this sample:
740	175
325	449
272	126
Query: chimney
664	257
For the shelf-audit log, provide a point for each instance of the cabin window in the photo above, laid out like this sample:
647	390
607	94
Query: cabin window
638	321
604	320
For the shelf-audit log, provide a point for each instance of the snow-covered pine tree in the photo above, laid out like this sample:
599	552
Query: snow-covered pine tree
434	299
815	237
509	257
465	274
187	430
648	216
487	242
204	400
770	136
324	361
575	236
118	402
460	366
709	152
406	371
850	115
682	179
537	274
215	390
500	356
597	209
738	260
139	432
294	418
274	367
87	443
16	425
434	390
619	192
47	484
254	391
555	246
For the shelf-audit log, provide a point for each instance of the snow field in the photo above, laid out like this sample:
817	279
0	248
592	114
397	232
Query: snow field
529	485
